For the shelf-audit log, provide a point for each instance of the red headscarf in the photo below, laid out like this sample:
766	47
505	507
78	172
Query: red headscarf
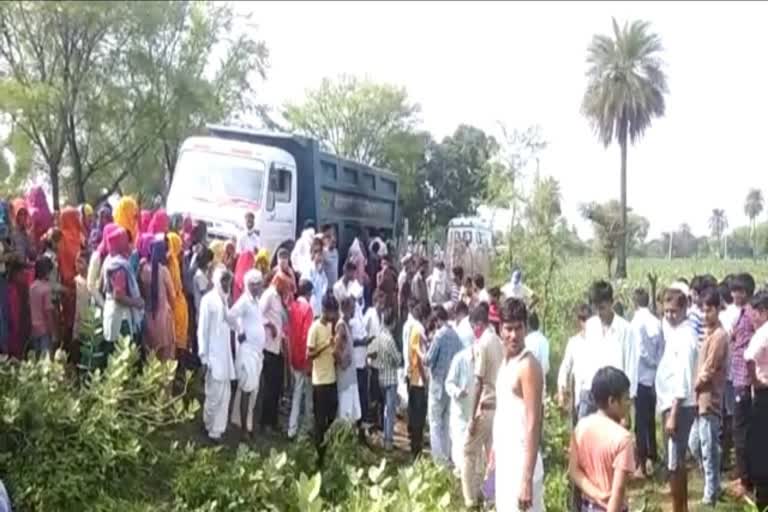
69	246
145	217
108	230
42	218
160	223
245	262
118	242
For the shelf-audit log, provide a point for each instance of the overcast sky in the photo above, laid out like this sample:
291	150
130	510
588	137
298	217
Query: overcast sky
523	63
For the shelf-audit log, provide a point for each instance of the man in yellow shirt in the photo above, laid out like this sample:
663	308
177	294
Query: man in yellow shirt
417	395
321	352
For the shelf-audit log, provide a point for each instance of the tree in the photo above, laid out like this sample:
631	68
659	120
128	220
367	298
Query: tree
718	223
607	225
457	173
753	207
625	91
354	118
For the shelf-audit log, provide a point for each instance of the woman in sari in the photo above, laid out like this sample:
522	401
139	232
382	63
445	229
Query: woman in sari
160	223
145	217
123	305
18	309
86	218
5	258
157	290
176	224
230	255
42	218
178	300
68	249
93	278
244	263
127	217
23	243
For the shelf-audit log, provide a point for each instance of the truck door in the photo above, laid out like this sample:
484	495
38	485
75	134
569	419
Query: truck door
280	212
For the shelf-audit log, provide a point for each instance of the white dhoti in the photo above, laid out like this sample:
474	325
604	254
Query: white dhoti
458	429
349	403
216	407
248	366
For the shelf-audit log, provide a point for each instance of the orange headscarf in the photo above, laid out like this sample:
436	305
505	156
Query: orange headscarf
127	216
178	301
69	246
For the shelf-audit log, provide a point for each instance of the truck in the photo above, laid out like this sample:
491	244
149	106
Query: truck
469	244
285	180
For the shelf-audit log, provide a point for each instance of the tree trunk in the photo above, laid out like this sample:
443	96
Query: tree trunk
621	263
53	175
77	164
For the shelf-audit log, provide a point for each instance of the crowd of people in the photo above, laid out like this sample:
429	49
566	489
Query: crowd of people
355	338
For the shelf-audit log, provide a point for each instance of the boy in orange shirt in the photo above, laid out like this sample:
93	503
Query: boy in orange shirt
602	451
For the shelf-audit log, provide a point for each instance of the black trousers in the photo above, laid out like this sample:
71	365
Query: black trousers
417	417
742	412
362	391
376	405
325	402
272	386
645	424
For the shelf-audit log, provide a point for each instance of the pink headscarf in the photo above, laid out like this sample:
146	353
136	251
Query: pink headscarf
145	217
108	230
160	223
118	242
40	213
144	245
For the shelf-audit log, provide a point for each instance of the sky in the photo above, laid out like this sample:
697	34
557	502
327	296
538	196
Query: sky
523	63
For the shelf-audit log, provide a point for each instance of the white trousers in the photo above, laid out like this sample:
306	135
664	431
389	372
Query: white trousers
302	391
216	406
236	417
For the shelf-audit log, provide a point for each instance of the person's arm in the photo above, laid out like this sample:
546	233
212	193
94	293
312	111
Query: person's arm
233	314
433	353
120	291
531	386
623	467
580	478
455	382
202	332
565	372
630	361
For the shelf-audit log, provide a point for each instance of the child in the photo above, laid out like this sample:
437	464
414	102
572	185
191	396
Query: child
602	451
82	296
41	308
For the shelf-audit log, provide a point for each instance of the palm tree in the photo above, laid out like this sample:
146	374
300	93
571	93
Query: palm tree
753	207
625	91
718	223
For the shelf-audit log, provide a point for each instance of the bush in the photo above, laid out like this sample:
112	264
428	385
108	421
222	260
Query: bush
65	444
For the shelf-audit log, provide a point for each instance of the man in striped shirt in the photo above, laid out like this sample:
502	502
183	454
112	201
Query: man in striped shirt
458	281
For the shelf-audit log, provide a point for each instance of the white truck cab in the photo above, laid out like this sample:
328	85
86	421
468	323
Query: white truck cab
470	244
219	180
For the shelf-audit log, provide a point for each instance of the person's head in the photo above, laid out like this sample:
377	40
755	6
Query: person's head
254	283
460	310
330	308
439	317
329	236
479	281
440	266
760	309
305	288
318	257
709	298
421	311
640	298
348	307
43	268
601	296
55	236
610	390
514	319
284	259
458	275
726	299
423	266
698	285
675	306
582	312
379	300
618	308
389	318
81	264
469	285
742	289
350	269
250	220
495	294
222	281
478	319
386	262
533	322
204	259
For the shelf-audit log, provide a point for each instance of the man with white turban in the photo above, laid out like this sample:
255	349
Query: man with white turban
215	354
246	317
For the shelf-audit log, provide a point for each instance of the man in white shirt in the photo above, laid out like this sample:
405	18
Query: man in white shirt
246	317
461	323
756	356
538	345
646	329
608	342
676	398
573	362
316	275
216	355
249	240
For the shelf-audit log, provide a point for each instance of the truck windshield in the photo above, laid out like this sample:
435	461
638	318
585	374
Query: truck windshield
216	176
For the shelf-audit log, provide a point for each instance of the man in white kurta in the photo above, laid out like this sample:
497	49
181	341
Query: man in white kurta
215	354
460	387
245	317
